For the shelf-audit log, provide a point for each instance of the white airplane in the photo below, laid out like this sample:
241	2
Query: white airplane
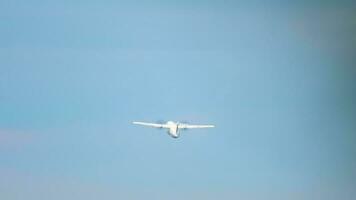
173	127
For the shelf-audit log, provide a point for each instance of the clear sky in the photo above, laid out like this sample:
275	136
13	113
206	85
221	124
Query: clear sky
277	79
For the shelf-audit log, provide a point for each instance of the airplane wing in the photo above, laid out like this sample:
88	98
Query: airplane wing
151	124
188	126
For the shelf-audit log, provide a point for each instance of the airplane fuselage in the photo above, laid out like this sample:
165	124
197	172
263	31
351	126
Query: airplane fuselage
173	129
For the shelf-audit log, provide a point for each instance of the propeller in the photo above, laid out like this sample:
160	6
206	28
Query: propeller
184	122
160	122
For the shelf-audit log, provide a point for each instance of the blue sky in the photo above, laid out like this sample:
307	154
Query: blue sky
277	80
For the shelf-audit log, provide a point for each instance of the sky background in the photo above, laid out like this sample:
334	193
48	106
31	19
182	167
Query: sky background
278	80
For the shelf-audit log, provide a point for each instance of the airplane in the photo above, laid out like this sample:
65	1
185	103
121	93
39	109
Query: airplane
173	127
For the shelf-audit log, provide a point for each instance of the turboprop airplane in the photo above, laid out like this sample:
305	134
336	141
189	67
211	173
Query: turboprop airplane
173	127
